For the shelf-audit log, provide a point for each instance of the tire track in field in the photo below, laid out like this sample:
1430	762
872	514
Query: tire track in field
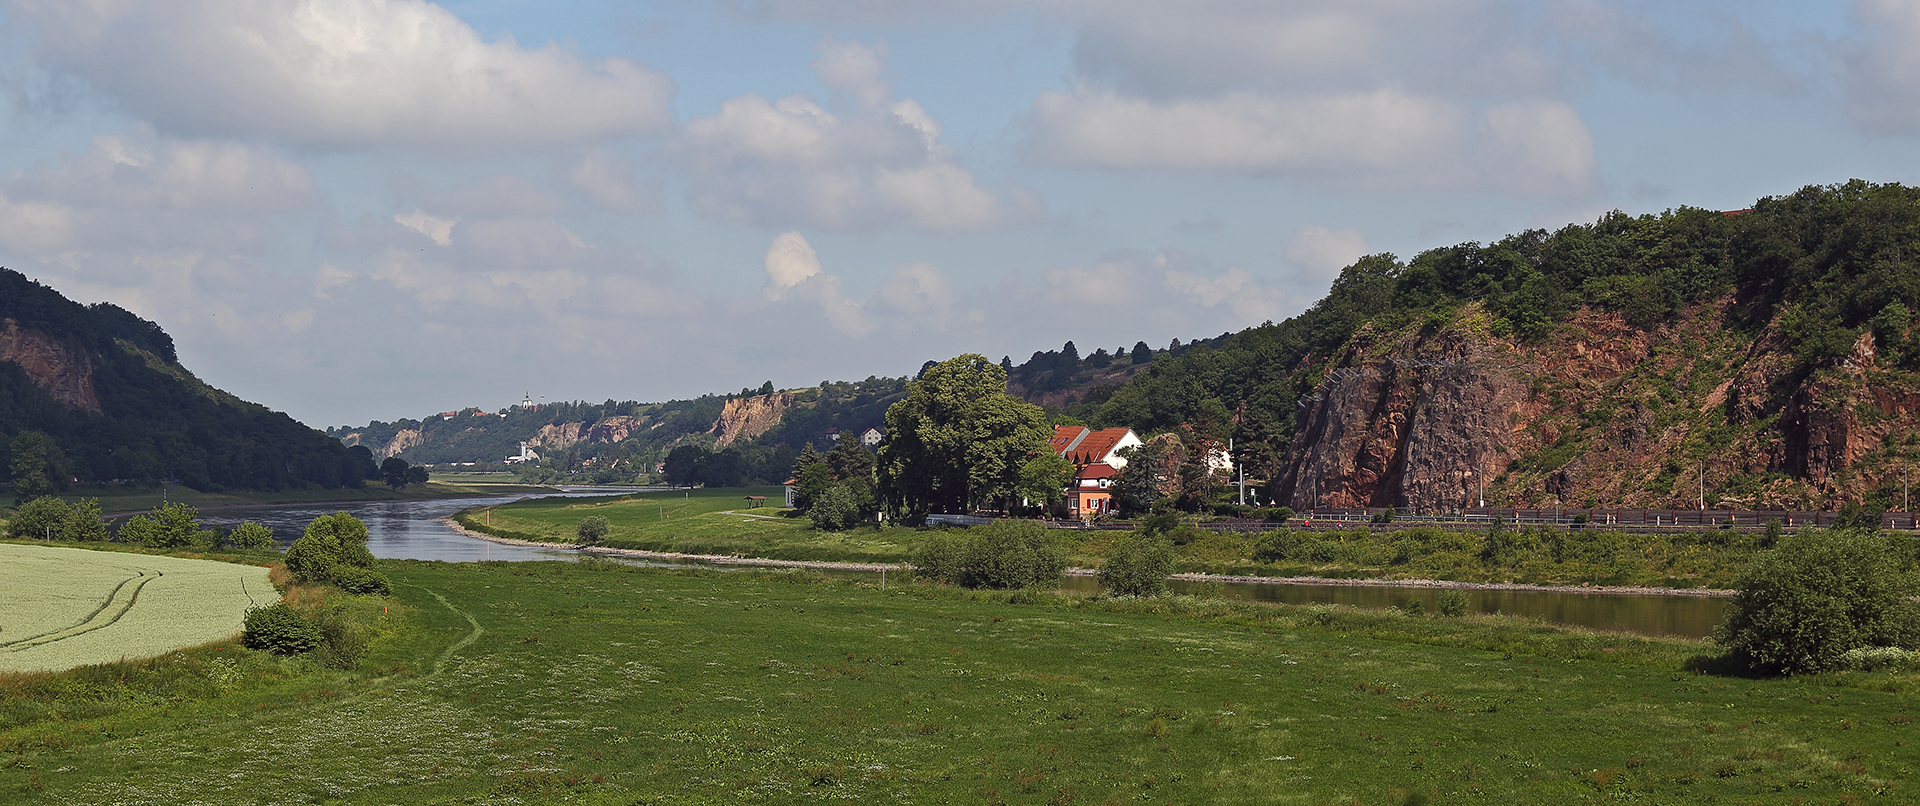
440	663
89	624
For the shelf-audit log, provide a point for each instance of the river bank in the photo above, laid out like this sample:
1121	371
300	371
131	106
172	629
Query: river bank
120	502
715	559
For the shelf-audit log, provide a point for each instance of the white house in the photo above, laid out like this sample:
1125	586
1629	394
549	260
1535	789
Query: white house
871	437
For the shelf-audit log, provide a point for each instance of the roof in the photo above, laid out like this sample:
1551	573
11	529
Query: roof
1084	446
1098	471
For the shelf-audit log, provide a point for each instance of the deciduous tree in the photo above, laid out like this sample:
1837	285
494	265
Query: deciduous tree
958	440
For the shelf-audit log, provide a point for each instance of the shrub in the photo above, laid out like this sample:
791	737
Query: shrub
363	581
250	535
1385	516
1002	555
1803	605
342	643
331	544
939	557
84	523
1012	554
1414	607
1453	603
593	529
1276	514
279	629
1137	566
39	519
835	509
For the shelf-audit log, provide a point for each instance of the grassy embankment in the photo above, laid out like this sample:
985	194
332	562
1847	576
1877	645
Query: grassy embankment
697	522
602	683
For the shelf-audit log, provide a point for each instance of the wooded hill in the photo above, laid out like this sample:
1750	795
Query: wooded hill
105	386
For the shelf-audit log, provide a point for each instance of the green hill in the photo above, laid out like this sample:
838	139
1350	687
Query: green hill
106	387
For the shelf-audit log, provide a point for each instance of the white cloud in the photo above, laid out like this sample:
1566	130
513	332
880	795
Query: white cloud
791	161
338	73
434	227
789	261
1241	131
1881	73
1538	147
607	178
1320	252
147	192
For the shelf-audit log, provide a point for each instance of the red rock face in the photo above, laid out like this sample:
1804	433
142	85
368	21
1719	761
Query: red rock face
65	372
1600	413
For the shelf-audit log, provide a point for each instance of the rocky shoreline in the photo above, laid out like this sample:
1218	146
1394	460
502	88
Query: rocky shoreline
716	559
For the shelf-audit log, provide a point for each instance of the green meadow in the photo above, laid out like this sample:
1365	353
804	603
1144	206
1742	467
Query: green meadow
719	521
601	683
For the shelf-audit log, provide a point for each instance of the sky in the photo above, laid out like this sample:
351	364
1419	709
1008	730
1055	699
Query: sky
352	210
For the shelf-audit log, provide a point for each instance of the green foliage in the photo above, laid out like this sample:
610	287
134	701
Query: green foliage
1137	565
958	441
1044	478
1452	603
1002	555
279	629
363	581
32	470
173	525
331	548
39	519
835	509
592	529
84	523
250	535
1803	605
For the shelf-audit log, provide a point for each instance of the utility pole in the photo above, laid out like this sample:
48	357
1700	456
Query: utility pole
1243	472
1703	485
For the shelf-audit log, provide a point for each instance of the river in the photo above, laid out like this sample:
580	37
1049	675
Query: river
413	530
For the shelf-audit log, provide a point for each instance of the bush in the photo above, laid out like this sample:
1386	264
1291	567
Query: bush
1002	555
250	535
939	558
84	523
40	519
592	529
331	545
363	581
1452	603
343	644
279	629
835	509
1803	605
1137	566
1276	514
1005	555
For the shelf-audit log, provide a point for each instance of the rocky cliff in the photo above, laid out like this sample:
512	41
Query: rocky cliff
63	371
749	417
561	436
1598	413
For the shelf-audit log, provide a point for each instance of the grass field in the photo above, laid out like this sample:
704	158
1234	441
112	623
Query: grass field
607	684
67	607
718	522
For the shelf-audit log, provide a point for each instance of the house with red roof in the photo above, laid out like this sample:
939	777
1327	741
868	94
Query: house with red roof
1096	462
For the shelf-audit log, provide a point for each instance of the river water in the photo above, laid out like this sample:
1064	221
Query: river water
413	530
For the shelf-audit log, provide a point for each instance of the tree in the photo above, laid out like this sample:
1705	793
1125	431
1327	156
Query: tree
32	466
1044	478
835	509
1141	352
1100	359
250	535
394	471
957	440
1069	359
170	526
684	465
334	551
766	388
592	529
39	519
417	474
1801	606
1137	565
1152	473
84	523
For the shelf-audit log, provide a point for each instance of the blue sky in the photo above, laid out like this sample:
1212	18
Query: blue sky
363	209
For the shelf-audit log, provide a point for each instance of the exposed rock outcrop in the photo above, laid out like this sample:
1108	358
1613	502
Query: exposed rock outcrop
749	417
404	439
65	372
1599	413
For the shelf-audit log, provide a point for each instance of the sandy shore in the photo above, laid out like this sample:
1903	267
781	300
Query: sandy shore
1617	590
